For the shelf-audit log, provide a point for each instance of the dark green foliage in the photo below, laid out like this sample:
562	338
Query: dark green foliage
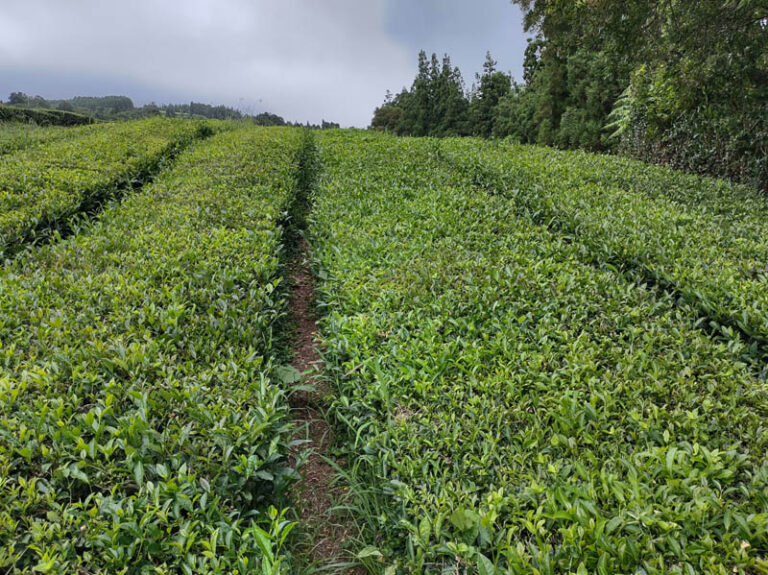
574	71
103	106
677	82
122	108
492	87
43	117
111	108
198	110
267	119
435	105
694	77
390	116
65	106
23	100
18	99
516	115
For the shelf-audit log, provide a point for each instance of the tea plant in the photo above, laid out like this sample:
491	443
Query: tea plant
41	187
141	429
15	136
512	408
704	239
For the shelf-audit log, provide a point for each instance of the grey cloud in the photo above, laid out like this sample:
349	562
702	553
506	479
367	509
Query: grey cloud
303	59
464	30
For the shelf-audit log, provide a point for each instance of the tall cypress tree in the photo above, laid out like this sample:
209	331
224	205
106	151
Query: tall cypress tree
492	87
436	104
450	102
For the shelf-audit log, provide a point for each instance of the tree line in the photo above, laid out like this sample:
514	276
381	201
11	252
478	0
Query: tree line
669	81
108	108
122	107
437	104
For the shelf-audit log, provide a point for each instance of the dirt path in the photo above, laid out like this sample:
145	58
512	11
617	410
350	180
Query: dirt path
315	495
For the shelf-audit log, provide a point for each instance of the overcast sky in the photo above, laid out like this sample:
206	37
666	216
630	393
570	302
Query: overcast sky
301	59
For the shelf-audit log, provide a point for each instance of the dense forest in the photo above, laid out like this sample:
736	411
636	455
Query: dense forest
669	81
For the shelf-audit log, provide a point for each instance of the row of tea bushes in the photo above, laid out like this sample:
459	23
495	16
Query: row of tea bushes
18	136
41	187
708	250
707	195
512	409
141	429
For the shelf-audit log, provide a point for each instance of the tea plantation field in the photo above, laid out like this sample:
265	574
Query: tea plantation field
537	361
140	427
522	392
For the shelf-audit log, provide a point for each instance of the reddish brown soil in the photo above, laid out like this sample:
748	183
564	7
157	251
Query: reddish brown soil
316	494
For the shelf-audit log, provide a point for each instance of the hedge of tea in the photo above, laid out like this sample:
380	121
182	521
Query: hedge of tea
42	186
705	239
510	408
18	136
141	430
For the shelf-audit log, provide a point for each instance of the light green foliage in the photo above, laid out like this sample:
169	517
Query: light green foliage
706	239
516	408
141	430
15	136
544	362
42	186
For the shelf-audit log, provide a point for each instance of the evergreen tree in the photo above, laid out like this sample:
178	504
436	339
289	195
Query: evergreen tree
676	81
492	87
450	101
436	104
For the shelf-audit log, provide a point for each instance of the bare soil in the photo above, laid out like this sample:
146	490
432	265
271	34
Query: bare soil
316	493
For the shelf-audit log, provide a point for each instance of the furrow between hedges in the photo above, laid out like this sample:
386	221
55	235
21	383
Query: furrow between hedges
324	532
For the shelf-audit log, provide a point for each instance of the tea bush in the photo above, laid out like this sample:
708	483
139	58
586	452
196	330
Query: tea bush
42	186
510	408
703	238
17	136
43	117
141	427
